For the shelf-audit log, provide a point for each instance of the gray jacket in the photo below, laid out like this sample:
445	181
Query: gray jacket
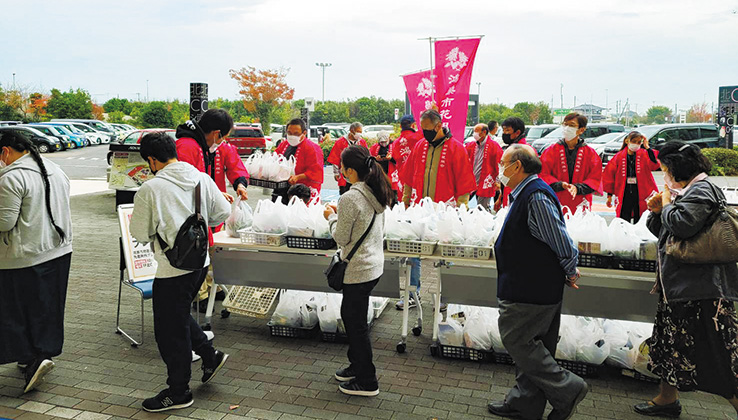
688	215
355	211
27	237
162	205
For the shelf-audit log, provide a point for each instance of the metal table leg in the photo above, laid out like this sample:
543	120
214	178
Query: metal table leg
401	346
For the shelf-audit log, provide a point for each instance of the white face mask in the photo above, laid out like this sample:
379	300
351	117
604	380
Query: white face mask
634	147
569	133
675	188
215	145
357	136
477	136
504	179
293	140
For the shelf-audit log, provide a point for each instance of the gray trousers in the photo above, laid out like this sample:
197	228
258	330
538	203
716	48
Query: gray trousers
530	333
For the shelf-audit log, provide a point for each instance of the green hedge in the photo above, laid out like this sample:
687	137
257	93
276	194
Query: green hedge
724	161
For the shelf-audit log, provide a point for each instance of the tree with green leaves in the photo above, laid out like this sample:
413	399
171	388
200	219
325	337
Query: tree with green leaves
659	114
72	104
156	114
116	104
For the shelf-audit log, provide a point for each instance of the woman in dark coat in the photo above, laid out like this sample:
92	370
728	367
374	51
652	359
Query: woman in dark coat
694	344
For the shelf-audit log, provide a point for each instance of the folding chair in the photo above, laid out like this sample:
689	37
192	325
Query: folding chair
145	290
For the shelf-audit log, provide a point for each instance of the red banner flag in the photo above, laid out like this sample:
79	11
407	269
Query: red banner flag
419	92
453	70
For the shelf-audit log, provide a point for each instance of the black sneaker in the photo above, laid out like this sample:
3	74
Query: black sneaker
165	400
220	295
353	387
345	375
35	373
209	372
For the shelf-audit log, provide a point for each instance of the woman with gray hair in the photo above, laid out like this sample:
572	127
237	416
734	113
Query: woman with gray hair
381	151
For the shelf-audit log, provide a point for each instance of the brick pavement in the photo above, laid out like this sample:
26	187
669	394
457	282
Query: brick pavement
101	377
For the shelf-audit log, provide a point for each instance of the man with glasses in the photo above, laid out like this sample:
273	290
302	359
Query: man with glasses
354	137
571	168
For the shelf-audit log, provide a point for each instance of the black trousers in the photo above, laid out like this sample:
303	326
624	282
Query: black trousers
32	311
176	332
354	310
342	190
630	209
280	195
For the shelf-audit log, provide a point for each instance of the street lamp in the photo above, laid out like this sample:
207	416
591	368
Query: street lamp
323	66
147	90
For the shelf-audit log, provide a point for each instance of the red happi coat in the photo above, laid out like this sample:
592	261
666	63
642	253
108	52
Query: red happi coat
490	166
393	175
455	177
615	176
401	149
227	161
308	161
335	156
587	170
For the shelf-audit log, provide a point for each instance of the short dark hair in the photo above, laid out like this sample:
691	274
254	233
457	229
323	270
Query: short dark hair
515	123
301	191
406	122
159	145
432	115
216	119
530	161
683	160
296	121
492	124
581	119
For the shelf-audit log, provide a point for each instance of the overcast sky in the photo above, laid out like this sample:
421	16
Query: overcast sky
663	52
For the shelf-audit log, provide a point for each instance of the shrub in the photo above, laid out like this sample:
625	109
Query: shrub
724	161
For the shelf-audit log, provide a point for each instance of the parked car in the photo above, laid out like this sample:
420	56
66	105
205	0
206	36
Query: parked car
105	132
371	131
539	131
593	130
77	136
56	132
96	136
703	135
135	138
247	139
84	137
606	140
44	143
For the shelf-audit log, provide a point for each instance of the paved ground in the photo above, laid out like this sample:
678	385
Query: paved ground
100	376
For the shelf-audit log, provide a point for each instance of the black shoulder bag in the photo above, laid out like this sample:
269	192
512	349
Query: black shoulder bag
337	268
190	249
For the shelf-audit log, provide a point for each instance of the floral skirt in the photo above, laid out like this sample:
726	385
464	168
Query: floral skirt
694	346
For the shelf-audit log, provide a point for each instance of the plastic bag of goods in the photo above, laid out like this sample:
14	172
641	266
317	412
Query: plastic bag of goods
451	333
642	359
478	227
621	240
286	169
458	312
478	328
321	228
592	346
253	164
300	220
566	349
625	341
241	217
270	217
450	227
397	226
330	312
297	309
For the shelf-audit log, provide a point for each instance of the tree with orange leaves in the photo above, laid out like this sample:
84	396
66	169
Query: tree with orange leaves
37	106
263	91
699	113
97	112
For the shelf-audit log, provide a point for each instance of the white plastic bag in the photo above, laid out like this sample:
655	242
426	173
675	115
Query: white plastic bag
270	217
478	329
241	217
593	347
451	333
330	312
298	309
300	221
566	349
621	239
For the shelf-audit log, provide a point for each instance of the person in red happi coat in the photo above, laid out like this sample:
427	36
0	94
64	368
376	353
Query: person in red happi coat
484	155
571	168
334	158
628	177
308	160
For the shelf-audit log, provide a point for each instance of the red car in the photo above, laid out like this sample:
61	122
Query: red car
247	139
134	137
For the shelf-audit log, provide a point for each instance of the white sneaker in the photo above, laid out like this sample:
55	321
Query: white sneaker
210	335
195	357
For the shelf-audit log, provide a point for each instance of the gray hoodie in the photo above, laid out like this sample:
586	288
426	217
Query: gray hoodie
27	237
163	204
355	210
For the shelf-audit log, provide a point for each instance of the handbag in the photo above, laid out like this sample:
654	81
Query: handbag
337	267
716	244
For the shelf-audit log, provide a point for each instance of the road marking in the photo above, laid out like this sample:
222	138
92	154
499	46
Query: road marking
94	158
81	158
82	187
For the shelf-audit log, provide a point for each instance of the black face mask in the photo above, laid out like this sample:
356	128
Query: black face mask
506	138
430	135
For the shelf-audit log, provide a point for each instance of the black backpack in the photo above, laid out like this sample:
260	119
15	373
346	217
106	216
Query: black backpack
191	246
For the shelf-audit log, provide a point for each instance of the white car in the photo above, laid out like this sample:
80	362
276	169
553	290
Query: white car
94	136
606	140
372	131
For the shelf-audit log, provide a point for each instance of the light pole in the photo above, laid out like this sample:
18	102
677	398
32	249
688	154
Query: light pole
13	80
479	88
323	66
147	90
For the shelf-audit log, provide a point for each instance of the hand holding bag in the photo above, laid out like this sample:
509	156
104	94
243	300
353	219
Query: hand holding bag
337	268
716	244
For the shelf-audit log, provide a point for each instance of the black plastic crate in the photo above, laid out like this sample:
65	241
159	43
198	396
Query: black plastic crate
302	242
269	184
595	261
580	368
464	353
635	265
502	359
334	337
640	377
292	332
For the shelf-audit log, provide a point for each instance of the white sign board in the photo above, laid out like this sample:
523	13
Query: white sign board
397	114
310	104
139	258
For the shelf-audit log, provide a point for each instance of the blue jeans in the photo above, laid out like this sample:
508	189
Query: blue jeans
414	273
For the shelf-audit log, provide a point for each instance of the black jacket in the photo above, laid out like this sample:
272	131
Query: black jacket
688	215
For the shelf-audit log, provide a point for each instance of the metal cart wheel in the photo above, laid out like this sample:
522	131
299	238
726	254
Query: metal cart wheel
401	347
